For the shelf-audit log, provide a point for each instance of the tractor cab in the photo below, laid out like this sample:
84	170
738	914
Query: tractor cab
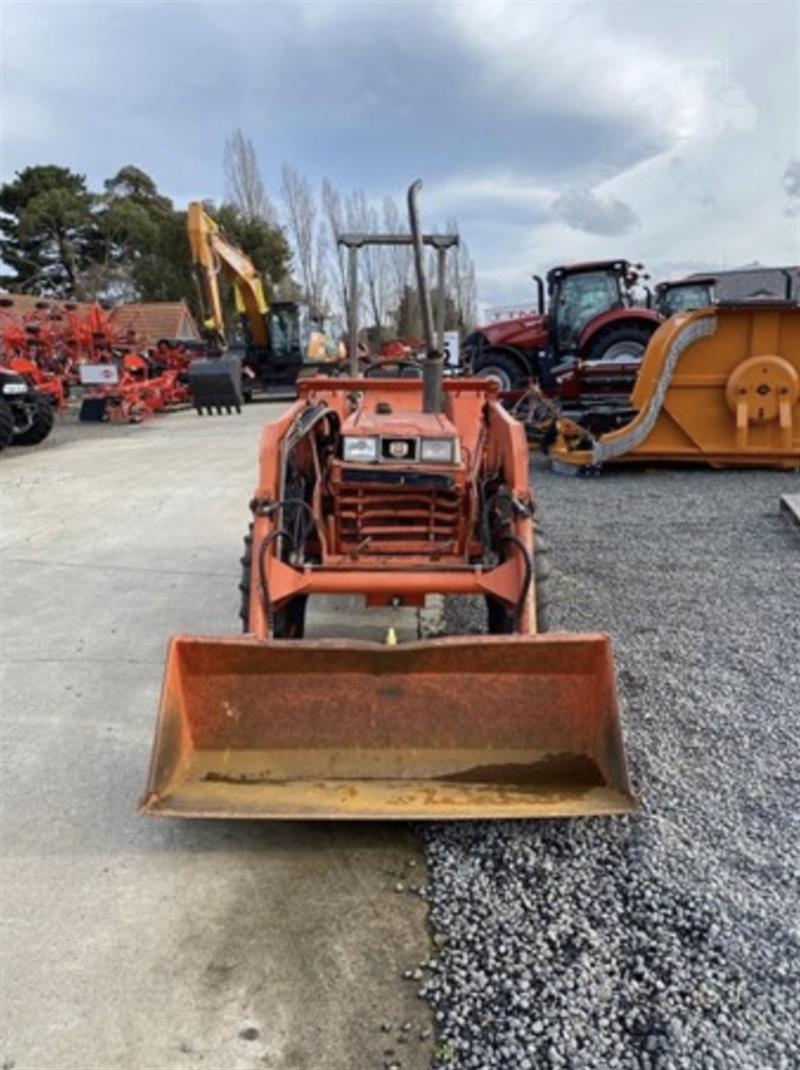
684	295
579	293
593	314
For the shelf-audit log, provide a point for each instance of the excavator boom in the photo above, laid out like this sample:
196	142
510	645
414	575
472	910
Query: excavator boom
212	252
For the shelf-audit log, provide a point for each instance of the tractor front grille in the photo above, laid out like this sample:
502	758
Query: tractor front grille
405	519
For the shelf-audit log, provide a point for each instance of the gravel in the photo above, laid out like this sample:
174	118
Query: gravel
667	939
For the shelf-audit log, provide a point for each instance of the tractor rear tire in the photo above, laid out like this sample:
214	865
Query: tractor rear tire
288	622
503	368
615	341
43	419
6	424
500	619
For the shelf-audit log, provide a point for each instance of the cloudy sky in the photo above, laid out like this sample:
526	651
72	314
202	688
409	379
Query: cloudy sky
662	130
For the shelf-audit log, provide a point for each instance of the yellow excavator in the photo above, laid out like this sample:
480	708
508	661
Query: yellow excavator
278	340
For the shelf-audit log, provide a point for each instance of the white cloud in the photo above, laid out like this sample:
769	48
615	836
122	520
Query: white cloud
708	197
552	131
569	57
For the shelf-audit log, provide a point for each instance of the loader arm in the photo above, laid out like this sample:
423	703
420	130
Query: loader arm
212	252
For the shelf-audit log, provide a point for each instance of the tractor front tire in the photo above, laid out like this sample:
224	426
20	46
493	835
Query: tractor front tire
6	424
288	622
41	426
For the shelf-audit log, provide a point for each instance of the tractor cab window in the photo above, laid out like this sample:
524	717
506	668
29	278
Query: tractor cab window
581	298
684	299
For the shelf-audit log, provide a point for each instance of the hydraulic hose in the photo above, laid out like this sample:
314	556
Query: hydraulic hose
526	585
263	586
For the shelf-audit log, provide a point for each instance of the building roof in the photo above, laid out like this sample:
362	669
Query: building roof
151	320
155	320
25	303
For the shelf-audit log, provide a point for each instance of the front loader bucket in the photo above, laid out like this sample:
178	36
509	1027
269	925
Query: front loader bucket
488	727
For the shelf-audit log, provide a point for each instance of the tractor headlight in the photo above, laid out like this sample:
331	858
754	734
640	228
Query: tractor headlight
15	388
357	448
438	450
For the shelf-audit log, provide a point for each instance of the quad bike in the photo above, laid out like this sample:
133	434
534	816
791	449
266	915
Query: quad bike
26	416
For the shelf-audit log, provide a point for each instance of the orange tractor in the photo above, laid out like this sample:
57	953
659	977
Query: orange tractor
394	489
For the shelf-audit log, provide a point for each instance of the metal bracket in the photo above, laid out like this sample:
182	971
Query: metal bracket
355	241
437	241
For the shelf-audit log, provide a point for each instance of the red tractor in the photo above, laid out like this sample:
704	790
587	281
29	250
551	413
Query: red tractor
591	315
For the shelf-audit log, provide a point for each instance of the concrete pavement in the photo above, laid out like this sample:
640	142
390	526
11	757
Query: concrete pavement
134	944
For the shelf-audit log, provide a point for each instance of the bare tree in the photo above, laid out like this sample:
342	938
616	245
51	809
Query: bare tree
306	237
333	212
245	187
461	282
468	310
363	218
318	302
398	257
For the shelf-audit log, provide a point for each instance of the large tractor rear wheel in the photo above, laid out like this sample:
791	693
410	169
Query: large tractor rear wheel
622	342
6	424
500	619
42	421
288	622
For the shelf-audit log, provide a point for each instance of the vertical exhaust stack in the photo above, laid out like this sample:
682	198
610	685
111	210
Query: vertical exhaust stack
432	395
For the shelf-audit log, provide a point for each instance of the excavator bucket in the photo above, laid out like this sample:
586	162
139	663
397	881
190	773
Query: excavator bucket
489	727
216	385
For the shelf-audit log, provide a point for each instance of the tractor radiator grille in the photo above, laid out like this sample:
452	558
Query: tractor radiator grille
410	520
